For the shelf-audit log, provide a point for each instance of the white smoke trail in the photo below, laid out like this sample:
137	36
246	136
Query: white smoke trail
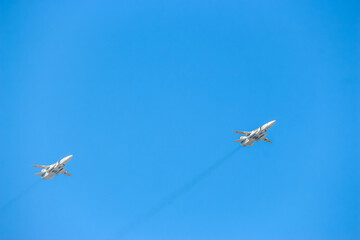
19	196
175	195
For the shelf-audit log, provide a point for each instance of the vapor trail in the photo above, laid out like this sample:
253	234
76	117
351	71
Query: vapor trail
19	196
176	194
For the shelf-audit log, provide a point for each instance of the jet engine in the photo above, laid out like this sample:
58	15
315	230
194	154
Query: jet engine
243	139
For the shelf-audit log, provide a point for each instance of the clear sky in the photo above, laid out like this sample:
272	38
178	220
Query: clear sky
146	94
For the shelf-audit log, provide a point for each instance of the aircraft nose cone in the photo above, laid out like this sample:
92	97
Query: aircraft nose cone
272	123
66	159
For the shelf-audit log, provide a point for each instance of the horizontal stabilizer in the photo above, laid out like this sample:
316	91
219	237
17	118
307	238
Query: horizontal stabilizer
39	174
40	166
238	140
66	173
267	140
243	133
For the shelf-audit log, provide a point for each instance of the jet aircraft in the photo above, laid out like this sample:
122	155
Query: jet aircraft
56	168
255	135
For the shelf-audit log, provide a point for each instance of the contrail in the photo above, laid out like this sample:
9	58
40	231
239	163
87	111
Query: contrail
175	195
19	196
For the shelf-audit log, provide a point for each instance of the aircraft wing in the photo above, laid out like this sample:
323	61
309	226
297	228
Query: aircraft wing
243	133
40	166
267	140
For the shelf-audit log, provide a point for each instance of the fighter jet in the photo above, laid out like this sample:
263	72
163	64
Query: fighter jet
56	168
256	135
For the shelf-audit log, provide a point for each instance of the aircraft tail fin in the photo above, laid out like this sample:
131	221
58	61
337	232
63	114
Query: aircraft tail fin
66	173
267	140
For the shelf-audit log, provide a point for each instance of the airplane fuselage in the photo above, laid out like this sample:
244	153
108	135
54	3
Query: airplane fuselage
255	135
51	171
56	168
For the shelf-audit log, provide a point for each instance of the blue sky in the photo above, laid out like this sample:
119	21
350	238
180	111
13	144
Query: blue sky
146	94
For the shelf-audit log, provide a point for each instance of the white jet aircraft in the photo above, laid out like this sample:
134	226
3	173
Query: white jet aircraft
56	168
256	135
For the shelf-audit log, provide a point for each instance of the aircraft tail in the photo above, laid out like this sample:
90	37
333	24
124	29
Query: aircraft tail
39	174
266	140
66	173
